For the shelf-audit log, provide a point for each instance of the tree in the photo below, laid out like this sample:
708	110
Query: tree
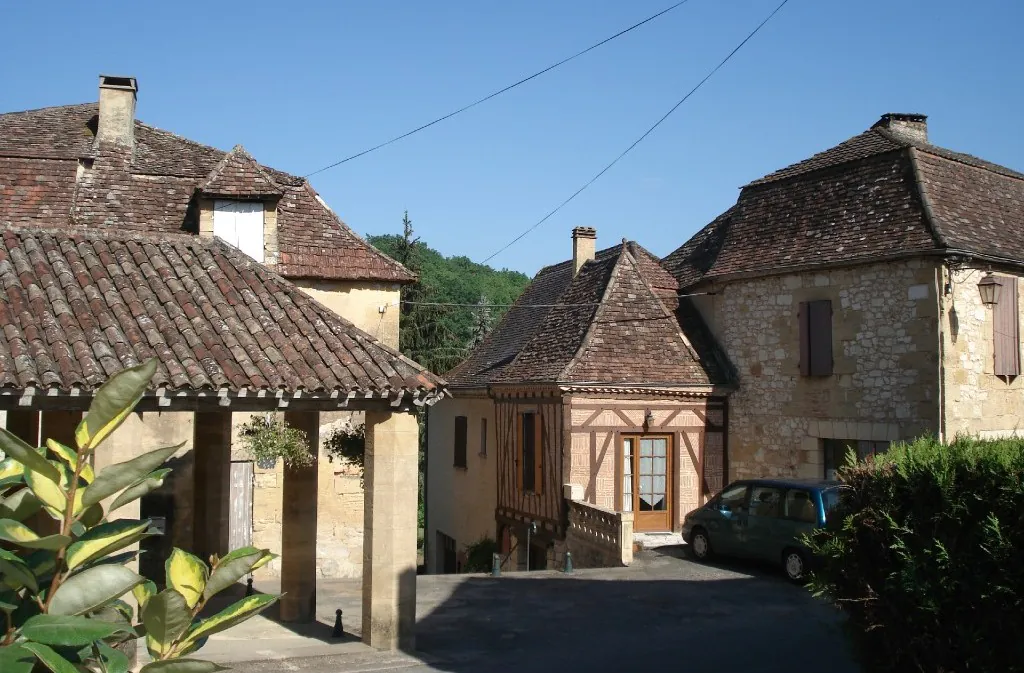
481	321
61	594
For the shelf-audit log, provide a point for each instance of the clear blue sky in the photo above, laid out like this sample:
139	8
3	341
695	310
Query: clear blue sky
302	84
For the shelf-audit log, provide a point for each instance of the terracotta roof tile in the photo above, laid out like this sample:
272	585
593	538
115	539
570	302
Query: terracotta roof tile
238	175
79	305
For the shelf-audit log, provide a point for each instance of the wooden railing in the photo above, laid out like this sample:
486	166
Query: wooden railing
599	537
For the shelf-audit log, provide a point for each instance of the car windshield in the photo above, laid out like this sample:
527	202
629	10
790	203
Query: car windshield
830	498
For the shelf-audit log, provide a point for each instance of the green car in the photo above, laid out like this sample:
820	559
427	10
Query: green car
762	519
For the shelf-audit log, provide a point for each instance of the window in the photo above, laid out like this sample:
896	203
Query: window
765	501
1006	330
461	435
815	337
800	506
240	223
733	499
627	474
836	450
530	473
483	437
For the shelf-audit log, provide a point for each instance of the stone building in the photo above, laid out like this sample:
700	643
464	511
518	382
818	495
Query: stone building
306	320
866	295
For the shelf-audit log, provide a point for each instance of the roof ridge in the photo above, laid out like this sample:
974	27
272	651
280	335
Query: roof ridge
566	371
50	107
929	213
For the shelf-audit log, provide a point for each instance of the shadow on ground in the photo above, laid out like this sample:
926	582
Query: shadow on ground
538	624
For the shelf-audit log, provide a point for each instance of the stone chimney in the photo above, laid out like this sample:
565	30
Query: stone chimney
117	110
583	241
910	127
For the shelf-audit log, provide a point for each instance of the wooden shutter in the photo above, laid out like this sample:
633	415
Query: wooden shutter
461	435
518	439
803	316
819	326
1006	330
538	454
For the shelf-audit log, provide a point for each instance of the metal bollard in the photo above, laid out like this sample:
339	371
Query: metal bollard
248	586
495	565
568	563
338	631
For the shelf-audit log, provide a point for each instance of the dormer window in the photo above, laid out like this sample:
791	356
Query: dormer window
240	223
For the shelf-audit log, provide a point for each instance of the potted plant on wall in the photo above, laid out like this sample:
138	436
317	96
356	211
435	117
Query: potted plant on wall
269	438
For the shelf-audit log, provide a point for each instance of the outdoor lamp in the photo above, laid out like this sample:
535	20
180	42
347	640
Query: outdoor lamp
989	288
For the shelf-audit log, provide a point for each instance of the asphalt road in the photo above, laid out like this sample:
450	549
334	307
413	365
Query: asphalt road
664	611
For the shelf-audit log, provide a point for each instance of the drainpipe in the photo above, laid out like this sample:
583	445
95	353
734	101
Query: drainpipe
940	287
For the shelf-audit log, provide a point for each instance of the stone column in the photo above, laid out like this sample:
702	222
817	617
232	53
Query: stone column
298	527
389	538
211	448
25	425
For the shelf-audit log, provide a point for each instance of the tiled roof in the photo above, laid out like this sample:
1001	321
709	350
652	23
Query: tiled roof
153	190
238	175
76	306
614	323
879	194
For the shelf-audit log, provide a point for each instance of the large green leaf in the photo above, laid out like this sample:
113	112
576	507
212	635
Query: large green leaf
121	475
14	447
50	659
69	456
16	659
92	588
20	505
66	630
229	616
105	539
11	471
187	575
166	617
112	403
49	492
232	568
143	593
23	536
16	573
114	661
151	482
182	666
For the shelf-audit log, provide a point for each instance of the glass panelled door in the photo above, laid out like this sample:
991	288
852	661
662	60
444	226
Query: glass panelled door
647	481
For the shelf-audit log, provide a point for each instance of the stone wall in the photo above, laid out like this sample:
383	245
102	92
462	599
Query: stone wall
599	537
976	400
884	384
460	501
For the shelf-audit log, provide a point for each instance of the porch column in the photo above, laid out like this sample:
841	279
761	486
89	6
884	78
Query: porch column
298	527
390	475
211	451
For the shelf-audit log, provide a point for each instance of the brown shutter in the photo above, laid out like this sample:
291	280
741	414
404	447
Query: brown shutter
461	436
1006	330
805	339
538	454
519	452
820	329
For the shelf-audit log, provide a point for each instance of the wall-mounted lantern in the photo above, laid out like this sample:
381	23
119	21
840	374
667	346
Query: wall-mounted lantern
648	419
989	288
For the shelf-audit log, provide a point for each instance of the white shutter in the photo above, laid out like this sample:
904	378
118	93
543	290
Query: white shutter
240	223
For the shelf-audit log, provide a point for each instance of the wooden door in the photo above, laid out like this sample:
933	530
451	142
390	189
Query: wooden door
240	517
648	485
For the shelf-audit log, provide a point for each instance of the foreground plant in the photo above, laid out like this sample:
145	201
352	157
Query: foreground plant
61	593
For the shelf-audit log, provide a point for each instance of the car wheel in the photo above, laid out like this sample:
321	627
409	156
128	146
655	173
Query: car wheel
700	544
795	564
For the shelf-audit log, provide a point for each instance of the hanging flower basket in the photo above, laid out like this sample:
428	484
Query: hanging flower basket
268	438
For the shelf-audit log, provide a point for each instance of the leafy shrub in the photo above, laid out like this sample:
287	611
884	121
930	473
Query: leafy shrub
479	555
926	555
268	438
348	443
61	594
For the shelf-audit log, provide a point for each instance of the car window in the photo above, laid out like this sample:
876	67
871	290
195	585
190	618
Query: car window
831	497
733	498
765	501
800	506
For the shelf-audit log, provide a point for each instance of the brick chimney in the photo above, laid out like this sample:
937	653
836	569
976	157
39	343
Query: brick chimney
117	110
906	126
583	241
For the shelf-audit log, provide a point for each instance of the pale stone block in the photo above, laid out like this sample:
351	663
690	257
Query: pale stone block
879	432
572	491
826	429
812	429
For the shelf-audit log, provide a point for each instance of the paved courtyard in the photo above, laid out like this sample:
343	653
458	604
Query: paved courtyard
662	611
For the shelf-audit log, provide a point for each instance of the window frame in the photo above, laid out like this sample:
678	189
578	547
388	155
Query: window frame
536	485
460	443
863	447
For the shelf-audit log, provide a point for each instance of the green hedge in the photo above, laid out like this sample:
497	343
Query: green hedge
926	556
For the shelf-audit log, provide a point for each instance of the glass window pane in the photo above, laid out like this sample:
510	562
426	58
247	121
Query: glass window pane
660	447
646	447
765	501
734	497
659	485
800	506
646	465
659	466
646	486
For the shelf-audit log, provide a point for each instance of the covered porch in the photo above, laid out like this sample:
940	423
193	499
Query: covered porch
229	337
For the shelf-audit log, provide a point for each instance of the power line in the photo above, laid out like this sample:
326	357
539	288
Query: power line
443	303
499	91
641	138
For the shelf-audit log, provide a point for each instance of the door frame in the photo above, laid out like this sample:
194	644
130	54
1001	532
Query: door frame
670	476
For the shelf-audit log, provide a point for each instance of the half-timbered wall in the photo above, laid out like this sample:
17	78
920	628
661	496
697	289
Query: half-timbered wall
697	429
516	504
